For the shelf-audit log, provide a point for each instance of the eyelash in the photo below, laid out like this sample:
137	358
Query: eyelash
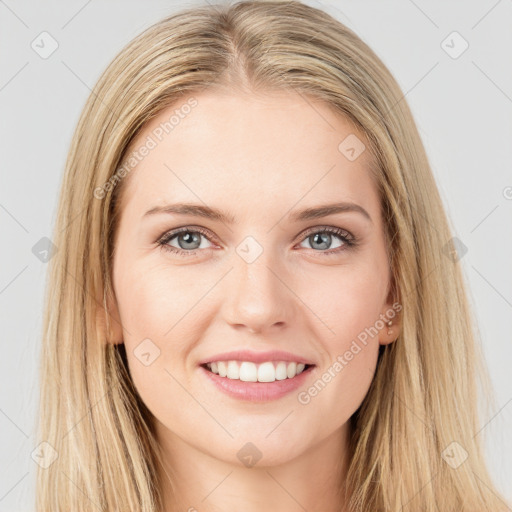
348	239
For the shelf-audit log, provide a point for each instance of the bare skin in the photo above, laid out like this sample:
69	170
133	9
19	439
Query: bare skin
257	157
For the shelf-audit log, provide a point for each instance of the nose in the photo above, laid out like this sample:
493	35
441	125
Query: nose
259	298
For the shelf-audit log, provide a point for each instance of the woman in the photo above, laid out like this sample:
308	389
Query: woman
256	303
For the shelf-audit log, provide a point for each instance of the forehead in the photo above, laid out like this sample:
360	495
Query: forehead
278	147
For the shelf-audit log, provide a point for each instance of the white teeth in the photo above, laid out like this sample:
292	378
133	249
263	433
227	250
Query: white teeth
248	371
281	372
222	368
266	372
233	370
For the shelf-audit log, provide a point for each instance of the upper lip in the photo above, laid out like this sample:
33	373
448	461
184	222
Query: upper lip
256	357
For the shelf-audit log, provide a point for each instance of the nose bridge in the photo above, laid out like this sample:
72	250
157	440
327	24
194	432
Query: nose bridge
257	298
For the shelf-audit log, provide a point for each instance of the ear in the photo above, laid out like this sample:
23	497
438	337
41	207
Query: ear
392	312
110	321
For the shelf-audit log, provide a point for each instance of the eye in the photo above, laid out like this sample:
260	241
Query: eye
189	241
321	238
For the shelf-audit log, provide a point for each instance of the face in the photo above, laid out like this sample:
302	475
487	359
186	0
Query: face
261	278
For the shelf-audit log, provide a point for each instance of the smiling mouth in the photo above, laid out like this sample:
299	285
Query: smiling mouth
247	371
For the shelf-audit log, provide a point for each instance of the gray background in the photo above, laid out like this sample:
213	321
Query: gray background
462	106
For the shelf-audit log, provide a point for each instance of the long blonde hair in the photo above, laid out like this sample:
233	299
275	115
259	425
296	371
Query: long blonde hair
421	412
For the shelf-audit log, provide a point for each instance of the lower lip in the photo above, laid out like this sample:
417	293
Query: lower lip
257	391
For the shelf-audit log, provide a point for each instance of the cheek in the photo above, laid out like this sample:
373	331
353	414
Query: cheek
348	306
148	310
163	316
343	382
145	306
348	303
156	303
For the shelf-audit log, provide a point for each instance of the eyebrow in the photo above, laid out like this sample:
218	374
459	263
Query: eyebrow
207	212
